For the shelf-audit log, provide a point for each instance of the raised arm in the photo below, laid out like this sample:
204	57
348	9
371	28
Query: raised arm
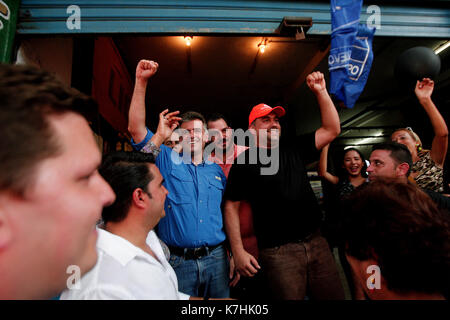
245	263
423	91
136	116
323	166
331	126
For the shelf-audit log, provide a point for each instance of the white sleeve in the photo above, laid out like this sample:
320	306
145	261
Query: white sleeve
102	292
183	296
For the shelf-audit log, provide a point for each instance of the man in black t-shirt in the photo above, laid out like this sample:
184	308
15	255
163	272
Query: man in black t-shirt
272	177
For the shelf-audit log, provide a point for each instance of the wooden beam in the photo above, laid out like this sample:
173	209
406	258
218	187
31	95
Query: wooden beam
312	64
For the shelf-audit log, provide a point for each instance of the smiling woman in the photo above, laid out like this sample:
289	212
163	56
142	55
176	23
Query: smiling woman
352	173
427	169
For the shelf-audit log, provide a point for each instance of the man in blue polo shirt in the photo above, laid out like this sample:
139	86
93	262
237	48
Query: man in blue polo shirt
193	227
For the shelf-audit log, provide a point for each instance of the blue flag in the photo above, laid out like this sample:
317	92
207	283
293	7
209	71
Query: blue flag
351	53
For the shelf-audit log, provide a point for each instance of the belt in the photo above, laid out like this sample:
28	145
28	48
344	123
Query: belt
304	239
193	253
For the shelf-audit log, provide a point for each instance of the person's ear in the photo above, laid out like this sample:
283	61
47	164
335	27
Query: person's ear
139	198
402	169
252	128
5	230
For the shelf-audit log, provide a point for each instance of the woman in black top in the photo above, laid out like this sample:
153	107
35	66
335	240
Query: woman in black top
353	171
352	175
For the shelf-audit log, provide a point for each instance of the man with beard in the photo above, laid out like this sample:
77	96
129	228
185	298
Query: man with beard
224	153
292	253
225	150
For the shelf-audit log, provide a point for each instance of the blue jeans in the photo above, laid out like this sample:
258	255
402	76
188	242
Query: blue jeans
203	277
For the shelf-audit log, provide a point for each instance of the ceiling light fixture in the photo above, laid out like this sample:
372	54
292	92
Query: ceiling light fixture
359	142
442	47
188	40
262	46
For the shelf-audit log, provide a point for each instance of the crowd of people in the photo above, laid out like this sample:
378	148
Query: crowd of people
191	214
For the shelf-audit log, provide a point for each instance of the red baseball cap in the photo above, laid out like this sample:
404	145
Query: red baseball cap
262	110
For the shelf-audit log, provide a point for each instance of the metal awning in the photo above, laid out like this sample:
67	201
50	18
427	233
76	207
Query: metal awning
219	17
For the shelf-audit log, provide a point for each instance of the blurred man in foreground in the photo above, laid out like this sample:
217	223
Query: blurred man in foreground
51	193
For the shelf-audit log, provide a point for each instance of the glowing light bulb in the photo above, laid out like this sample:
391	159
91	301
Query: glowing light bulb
262	48
188	40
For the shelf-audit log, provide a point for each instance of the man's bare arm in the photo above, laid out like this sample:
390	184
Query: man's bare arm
136	115
245	263
331	126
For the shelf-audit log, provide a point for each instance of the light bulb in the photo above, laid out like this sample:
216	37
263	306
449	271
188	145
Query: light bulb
188	40
262	48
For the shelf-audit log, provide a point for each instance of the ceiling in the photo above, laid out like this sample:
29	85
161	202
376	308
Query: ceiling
226	74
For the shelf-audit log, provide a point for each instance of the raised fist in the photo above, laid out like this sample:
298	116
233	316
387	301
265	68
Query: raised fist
145	69
316	82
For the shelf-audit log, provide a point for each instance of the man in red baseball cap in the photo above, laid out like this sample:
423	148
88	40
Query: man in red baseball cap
267	131
262	110
293	256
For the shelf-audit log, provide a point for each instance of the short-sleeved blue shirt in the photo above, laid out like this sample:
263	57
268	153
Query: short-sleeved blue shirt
193	205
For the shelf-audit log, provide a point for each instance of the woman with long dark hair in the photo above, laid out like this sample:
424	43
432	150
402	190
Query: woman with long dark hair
352	173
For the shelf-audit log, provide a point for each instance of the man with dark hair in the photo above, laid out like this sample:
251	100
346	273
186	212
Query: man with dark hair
224	154
293	256
131	261
397	242
51	193
193	227
393	160
127	173
216	116
399	167
221	135
174	142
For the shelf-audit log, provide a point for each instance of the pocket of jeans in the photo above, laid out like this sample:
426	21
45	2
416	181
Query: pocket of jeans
175	261
218	254
270	251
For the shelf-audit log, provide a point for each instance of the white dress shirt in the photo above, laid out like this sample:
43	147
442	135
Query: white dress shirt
124	271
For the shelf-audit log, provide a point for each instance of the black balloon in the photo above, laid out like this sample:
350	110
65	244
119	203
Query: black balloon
415	64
